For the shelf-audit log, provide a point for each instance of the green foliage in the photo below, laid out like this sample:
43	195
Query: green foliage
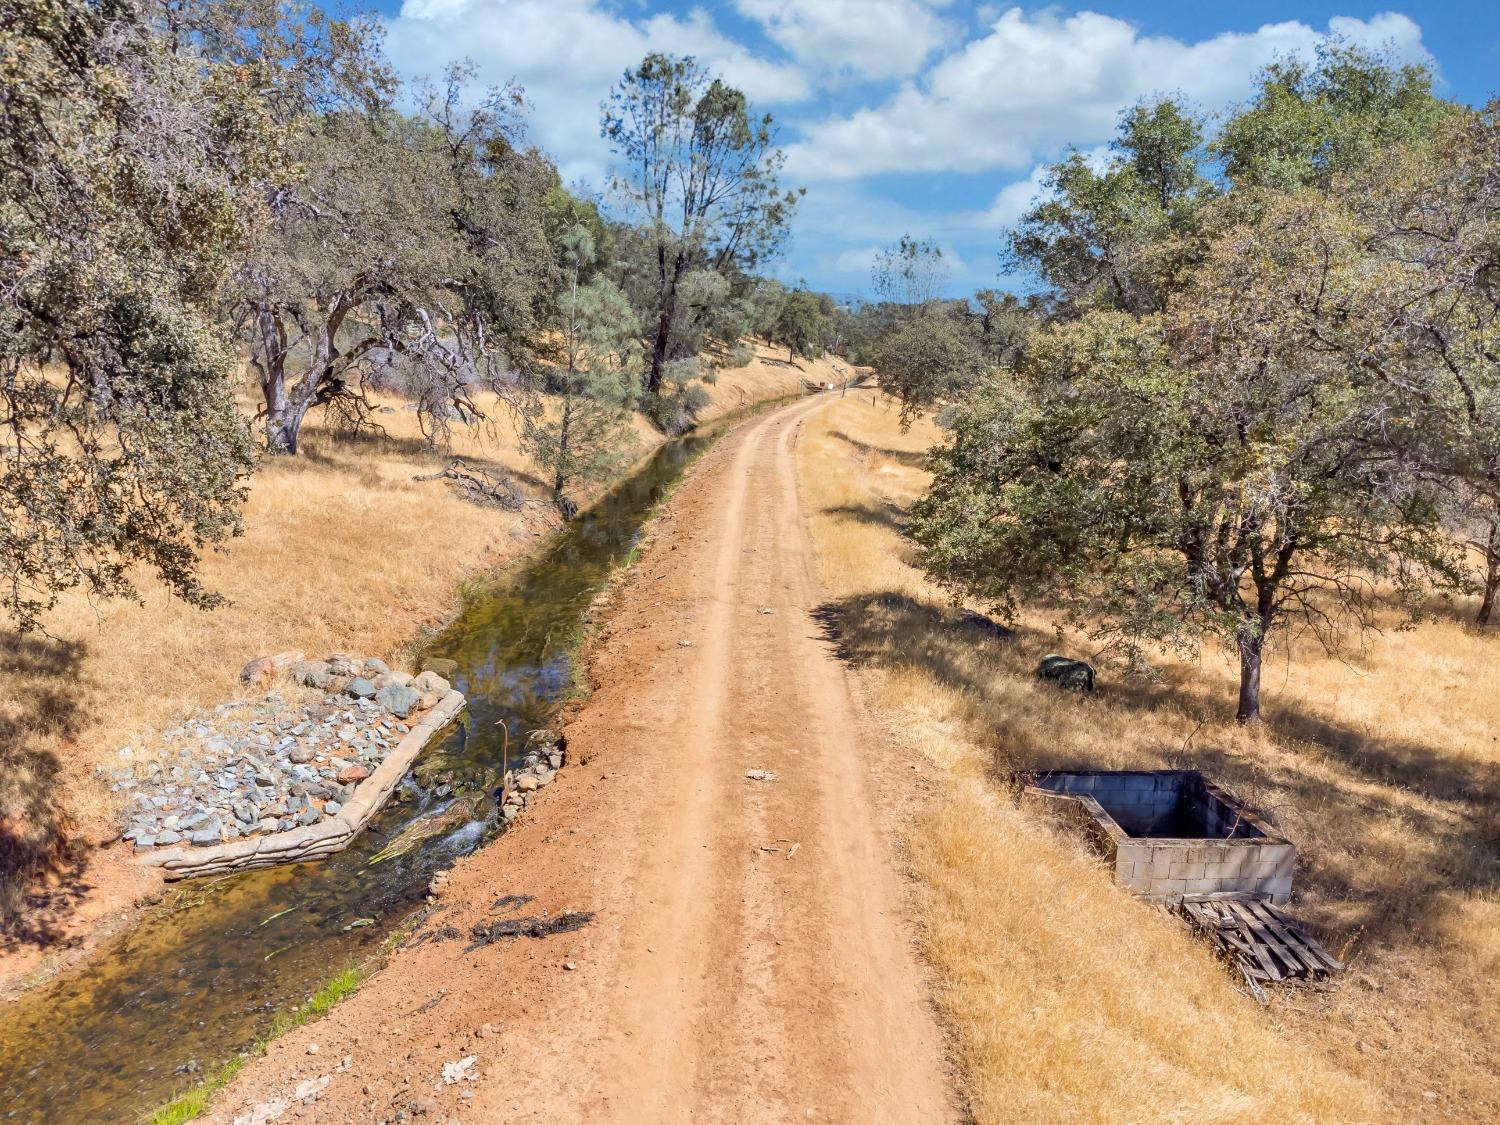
1268	402
581	439
763	307
681	399
739	356
700	175
1004	326
191	1104
1213	471
925	360
1422	316
1159	143
1310	122
124	200
802	325
562	213
1114	237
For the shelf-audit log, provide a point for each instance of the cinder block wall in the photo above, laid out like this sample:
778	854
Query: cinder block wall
1160	868
1117	811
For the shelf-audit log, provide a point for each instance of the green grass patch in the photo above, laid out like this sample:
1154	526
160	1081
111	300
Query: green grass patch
193	1101
339	988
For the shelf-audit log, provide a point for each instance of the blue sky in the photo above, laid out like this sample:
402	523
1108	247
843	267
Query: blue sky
930	117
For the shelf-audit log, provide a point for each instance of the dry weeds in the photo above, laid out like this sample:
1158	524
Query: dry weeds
1070	1000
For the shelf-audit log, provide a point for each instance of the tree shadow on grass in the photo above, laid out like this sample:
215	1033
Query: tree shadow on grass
321	447
40	673
1363	783
883	514
890	630
1460	611
911	459
322	451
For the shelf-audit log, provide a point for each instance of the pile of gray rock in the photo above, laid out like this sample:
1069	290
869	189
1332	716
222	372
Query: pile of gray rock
273	763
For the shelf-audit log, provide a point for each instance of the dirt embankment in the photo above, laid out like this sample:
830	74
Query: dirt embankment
748	957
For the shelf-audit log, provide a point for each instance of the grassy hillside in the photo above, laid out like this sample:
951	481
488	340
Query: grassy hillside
1069	1000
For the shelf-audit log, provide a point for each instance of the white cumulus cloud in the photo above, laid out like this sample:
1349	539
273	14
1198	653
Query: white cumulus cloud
1037	81
567	54
864	39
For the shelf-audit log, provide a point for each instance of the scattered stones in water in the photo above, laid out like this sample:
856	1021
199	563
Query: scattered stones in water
259	766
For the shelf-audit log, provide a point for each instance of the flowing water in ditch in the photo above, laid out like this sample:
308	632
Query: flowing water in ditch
190	987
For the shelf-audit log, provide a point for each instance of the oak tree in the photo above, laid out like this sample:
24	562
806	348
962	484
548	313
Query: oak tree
126	177
1211	471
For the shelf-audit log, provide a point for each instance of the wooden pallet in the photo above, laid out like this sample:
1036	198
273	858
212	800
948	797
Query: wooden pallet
1265	943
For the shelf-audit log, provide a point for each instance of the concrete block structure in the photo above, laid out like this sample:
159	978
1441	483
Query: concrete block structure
1170	832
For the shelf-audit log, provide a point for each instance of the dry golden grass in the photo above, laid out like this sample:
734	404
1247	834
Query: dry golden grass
1067	998
342	549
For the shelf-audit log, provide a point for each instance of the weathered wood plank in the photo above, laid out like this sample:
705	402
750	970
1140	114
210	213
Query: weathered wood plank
1266	944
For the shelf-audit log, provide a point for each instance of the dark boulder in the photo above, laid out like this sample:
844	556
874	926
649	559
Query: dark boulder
984	626
1065	672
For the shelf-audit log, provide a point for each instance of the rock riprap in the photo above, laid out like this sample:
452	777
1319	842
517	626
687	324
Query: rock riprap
534	772
271	764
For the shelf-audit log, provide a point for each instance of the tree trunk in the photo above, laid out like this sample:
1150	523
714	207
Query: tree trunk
271	363
1491	574
659	347
284	428
664	321
1251	642
560	478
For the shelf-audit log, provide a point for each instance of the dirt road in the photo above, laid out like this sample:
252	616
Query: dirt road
749	959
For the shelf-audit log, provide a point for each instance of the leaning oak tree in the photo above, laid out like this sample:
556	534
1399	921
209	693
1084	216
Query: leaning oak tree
699	173
126	176
412	244
410	247
1214	471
